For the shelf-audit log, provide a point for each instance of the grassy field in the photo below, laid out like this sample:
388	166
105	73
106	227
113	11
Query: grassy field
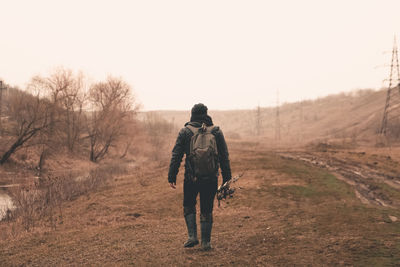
284	212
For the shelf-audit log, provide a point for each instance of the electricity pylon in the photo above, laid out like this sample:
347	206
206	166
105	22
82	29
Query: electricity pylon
393	84
1	106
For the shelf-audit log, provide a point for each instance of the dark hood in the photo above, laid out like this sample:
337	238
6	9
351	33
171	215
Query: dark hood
198	120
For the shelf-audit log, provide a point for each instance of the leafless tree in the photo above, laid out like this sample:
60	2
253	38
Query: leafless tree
64	89
112	106
30	116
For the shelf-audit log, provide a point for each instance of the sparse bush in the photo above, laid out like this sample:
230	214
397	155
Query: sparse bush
42	203
160	133
29	203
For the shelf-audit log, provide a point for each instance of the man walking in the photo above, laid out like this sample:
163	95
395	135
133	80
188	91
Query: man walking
206	151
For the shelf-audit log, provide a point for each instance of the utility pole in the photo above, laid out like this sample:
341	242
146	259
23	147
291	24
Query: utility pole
393	83
301	122
258	121
1	107
277	120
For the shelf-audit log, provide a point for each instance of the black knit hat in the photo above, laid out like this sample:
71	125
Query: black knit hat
199	109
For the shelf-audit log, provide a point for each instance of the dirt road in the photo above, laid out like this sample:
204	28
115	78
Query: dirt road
286	212
375	178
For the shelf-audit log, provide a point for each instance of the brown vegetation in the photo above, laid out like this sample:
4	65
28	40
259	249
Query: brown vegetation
285	212
55	111
42	204
52	131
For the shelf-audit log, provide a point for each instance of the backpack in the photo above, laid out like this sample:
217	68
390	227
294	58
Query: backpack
203	152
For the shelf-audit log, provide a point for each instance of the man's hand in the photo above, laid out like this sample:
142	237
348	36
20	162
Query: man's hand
172	185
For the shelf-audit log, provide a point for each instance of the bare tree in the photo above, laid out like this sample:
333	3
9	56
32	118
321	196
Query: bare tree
64	89
112	105
30	116
72	102
54	114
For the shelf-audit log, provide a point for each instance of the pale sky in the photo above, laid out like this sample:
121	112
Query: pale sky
226	54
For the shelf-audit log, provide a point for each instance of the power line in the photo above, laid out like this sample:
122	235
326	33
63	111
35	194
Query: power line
394	68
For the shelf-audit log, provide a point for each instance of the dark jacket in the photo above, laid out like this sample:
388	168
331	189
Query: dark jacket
182	146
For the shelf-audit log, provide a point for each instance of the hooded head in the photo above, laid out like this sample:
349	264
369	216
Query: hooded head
199	110
199	114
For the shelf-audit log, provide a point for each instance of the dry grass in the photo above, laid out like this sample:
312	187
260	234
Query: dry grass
41	205
286	213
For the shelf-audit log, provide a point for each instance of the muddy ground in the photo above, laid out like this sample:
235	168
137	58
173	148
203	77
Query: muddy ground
290	208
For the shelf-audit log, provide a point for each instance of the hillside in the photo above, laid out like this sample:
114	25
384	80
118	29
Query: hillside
356	115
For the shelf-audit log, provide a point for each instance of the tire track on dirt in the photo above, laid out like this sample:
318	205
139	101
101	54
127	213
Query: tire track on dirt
356	174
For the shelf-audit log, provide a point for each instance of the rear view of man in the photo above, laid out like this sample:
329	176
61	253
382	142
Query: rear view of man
206	151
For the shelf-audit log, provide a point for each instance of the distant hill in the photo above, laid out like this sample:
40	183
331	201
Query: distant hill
354	116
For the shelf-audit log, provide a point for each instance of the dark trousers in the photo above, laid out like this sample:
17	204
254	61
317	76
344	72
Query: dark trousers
207	189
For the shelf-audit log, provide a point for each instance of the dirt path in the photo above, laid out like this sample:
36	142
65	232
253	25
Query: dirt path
368	174
286	212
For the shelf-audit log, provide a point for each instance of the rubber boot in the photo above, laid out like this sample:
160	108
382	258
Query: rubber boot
192	230
206	227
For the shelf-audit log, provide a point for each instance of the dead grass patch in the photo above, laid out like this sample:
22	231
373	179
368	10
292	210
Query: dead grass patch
287	213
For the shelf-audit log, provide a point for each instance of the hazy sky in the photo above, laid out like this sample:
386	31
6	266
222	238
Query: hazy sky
226	54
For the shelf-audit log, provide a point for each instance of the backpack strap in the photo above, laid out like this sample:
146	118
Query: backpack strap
210	129
193	129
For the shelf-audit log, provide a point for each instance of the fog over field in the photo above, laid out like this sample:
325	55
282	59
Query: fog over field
227	54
